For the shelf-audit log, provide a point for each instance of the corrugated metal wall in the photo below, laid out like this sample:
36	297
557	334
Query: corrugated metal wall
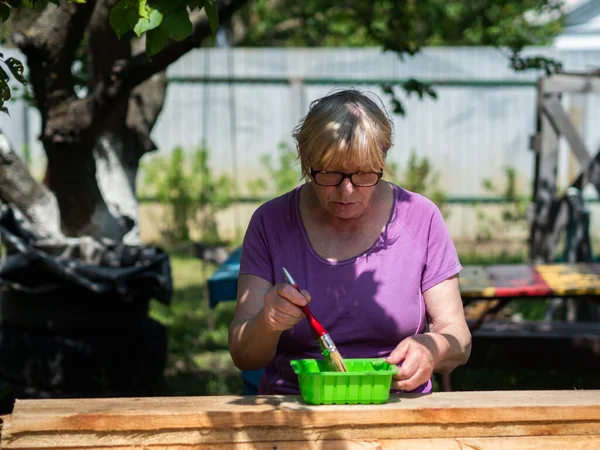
470	132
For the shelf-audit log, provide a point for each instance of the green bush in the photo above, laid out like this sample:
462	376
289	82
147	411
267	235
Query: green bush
283	174
420	177
187	183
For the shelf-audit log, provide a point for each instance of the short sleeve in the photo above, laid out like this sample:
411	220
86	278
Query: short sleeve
256	257
441	258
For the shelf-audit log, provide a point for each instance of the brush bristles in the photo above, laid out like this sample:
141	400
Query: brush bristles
337	362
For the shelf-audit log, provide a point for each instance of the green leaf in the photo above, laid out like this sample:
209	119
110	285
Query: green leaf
153	20
3	75
143	9
213	15
156	39
178	24
4	91
132	16
118	19
4	110
4	12
16	68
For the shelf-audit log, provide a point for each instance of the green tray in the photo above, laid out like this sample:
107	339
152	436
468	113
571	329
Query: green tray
367	381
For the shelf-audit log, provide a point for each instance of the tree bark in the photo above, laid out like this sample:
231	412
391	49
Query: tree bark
21	190
93	142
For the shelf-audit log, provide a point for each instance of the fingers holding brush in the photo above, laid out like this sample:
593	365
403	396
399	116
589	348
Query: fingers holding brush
282	306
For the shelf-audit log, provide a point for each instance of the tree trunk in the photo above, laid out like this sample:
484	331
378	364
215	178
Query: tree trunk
117	154
94	138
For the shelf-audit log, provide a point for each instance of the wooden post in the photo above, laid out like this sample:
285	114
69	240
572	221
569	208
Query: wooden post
544	190
447	420
551	213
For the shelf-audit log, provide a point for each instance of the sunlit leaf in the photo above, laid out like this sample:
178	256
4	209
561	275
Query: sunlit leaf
143	10
16	67
153	20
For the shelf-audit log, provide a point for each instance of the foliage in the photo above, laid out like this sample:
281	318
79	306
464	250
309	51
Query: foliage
283	173
405	27
402	26
158	20
191	190
420	177
15	67
513	213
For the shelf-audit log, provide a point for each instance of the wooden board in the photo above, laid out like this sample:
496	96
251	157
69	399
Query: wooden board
530	280
552	419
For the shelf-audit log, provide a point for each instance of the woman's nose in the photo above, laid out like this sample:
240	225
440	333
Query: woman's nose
346	185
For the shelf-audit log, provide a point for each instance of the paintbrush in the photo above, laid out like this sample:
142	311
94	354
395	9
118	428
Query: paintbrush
329	349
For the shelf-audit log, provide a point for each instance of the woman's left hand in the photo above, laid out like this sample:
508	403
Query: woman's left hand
416	360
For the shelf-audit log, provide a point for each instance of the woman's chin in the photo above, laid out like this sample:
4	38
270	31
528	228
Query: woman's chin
346	211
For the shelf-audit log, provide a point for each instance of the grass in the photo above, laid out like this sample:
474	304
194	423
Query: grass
199	362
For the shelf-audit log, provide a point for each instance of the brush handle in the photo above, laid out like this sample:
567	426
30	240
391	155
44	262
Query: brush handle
313	322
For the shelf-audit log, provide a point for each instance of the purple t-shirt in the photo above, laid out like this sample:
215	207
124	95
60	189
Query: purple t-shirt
368	303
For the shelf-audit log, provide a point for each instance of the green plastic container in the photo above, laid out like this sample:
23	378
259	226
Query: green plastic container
367	381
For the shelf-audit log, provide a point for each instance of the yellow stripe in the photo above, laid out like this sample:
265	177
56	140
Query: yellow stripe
570	280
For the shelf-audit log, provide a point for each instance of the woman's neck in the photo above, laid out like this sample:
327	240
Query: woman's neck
309	202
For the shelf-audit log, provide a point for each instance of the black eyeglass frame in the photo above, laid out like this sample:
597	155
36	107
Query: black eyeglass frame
344	175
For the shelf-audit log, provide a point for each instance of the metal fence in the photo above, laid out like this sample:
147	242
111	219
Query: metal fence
244	102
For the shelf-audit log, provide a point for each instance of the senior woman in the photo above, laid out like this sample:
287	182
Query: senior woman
376	260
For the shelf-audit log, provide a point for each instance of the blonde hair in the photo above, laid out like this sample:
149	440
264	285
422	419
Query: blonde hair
344	128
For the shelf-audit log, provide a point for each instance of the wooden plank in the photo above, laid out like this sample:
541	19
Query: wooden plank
571	83
545	186
461	443
562	123
536	345
517	280
589	174
570	279
157	413
542	330
248	422
475	282
280	435
594	267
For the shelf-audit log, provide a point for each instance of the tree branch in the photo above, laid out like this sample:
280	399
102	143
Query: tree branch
50	46
145	104
33	199
139	68
81	119
101	37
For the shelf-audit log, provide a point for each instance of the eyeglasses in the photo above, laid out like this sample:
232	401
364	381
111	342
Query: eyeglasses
358	179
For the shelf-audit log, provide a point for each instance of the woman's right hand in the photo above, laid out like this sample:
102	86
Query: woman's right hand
282	304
